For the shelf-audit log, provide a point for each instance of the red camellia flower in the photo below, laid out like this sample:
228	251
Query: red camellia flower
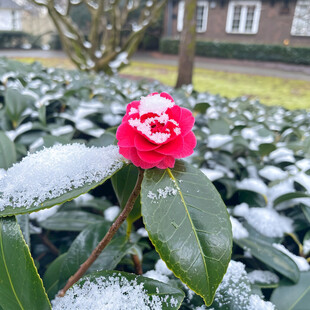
155	131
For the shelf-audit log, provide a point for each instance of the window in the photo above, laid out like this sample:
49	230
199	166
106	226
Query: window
243	17
301	21
201	16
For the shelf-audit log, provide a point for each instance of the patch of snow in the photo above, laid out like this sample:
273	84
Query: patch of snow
256	303
272	173
12	134
241	210
263	276
155	275
111	213
238	230
301	262
162	268
154	104
162	193
42	215
282	154
109	293
62	130
215	141
306	247
53	171
142	232
254	185
269	222
212	175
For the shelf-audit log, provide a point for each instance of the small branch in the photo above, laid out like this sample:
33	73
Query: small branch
108	237
49	244
137	263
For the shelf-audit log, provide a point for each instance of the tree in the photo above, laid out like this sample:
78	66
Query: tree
187	44
113	35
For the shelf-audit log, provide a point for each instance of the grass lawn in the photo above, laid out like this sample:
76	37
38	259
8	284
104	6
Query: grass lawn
292	94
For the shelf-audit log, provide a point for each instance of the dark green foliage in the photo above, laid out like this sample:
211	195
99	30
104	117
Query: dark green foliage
262	52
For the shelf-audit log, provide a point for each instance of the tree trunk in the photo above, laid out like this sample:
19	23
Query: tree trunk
187	44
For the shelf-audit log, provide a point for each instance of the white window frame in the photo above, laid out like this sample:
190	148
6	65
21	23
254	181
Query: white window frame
295	30
181	7
243	16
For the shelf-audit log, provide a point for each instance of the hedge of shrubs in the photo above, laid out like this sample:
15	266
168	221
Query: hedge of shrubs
263	52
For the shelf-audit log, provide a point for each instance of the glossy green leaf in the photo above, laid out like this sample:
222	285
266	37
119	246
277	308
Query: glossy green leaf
83	246
123	183
293	297
306	212
271	256
20	284
71	220
51	276
189	226
265	149
290	196
23	222
15	105
73	193
7	151
172	297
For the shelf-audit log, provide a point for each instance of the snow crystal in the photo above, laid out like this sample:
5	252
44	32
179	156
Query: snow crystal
238	230
217	140
154	104
162	193
235	288
53	171
272	173
269	222
111	213
306	247
2	173
42	215
212	175
256	303
301	262
109	293
263	276
162	268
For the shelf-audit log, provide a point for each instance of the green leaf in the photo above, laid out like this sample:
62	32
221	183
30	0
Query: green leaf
71	220
7	151
123	183
290	196
266	148
15	105
69	195
293	297
23	222
51	276
271	256
172	296
189	226
20	284
83	246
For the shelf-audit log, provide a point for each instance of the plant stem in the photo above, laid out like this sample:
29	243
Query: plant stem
137	263
108	237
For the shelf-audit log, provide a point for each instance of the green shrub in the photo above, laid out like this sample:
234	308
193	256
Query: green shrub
262	52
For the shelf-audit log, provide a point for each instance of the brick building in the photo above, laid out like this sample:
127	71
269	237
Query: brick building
245	21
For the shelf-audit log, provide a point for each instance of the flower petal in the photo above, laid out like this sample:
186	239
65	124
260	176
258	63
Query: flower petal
142	144
137	161
166	96
173	147
167	162
188	146
186	122
125	135
150	157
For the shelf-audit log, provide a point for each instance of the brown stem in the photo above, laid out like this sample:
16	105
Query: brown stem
49	244
108	237
137	263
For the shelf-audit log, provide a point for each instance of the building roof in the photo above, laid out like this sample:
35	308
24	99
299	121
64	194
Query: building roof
9	4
